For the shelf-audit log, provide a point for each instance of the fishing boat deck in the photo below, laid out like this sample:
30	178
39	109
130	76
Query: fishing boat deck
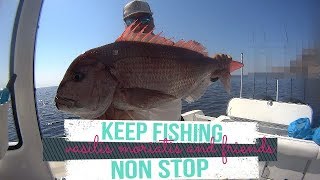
273	119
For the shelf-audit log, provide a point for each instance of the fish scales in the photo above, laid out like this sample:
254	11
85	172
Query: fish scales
132	76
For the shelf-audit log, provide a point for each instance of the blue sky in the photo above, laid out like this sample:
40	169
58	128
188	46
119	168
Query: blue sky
256	28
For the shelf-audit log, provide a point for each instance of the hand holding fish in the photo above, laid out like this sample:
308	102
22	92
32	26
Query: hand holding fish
222	57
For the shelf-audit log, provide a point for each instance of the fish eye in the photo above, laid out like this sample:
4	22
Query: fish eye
214	79
78	77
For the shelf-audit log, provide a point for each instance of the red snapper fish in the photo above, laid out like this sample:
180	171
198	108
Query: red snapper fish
138	72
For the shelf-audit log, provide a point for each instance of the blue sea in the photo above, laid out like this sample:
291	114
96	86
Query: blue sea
213	103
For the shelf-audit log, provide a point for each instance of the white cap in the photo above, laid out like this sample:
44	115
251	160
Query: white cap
136	7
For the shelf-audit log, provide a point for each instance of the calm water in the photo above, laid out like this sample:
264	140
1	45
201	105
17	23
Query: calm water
213	102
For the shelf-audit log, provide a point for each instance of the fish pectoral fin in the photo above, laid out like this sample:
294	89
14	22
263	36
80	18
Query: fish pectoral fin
145	98
199	90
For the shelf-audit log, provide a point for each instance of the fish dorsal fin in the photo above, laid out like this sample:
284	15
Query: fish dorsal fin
130	35
192	45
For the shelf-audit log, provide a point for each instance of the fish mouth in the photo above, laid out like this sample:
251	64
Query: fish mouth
64	102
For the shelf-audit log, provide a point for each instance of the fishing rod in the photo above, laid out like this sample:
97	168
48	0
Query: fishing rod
254	64
254	84
290	88
285	58
241	80
264	37
277	92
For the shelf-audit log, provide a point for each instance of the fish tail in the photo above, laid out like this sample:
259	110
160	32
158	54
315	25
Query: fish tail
235	65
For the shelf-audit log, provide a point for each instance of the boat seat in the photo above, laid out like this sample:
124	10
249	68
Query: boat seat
268	111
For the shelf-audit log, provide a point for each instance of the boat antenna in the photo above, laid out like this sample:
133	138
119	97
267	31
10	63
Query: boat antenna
241	80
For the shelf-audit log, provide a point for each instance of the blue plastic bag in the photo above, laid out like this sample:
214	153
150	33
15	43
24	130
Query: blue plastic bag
316	136
4	95
301	129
